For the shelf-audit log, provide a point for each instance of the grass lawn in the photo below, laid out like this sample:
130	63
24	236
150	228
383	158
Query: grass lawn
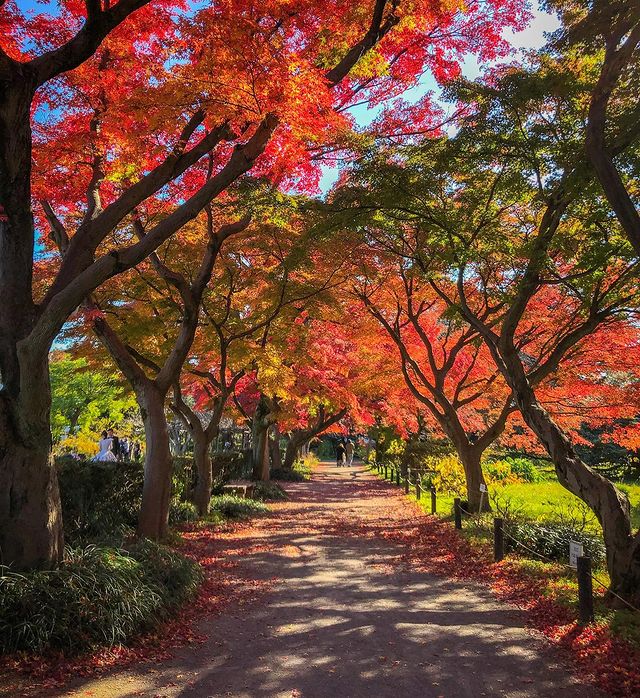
540	501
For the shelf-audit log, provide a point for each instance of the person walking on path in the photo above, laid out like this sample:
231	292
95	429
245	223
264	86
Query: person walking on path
349	451
340	454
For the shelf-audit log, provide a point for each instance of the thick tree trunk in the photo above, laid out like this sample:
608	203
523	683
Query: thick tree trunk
262	420
609	504
156	493
202	461
274	448
291	452
474	477
31	534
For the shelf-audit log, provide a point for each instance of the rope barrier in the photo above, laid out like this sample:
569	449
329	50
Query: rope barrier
533	552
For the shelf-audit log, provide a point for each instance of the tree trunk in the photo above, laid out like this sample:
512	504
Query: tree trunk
156	493
474	477
293	449
260	451
274	448
262	420
202	461
31	533
609	504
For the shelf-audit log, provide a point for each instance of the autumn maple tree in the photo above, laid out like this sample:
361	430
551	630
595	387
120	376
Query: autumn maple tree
106	108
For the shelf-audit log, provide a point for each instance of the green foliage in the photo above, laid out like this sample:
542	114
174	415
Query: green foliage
524	468
287	475
238	508
182	512
98	596
551	540
85	401
269	492
101	501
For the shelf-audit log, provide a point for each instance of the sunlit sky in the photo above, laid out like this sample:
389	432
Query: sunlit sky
533	37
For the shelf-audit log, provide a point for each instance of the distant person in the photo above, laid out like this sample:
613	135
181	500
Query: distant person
136	452
105	445
115	443
350	449
125	449
341	454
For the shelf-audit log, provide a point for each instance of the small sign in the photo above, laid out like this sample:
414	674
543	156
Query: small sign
483	488
575	551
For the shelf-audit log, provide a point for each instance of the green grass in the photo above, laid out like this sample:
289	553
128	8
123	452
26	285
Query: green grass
540	501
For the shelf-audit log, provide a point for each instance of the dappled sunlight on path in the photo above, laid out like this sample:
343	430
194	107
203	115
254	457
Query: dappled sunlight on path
348	615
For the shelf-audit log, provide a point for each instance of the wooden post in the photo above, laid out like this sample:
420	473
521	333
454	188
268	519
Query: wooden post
398	476
585	590
433	500
406	484
385	472
498	539
457	512
418	492
391	476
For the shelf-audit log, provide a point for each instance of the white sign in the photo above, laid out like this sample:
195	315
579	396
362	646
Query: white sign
575	551
483	488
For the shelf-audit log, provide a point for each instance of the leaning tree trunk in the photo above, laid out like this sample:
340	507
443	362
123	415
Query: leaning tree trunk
609	504
156	492
202	461
31	533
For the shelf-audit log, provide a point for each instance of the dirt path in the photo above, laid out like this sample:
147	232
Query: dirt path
346	619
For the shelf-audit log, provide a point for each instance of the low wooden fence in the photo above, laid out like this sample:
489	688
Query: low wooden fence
501	533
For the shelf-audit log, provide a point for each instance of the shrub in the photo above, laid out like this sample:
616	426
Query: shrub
182	512
525	468
551	540
98	596
268	492
286	475
99	500
238	508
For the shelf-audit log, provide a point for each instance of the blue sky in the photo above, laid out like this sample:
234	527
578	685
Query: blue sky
533	37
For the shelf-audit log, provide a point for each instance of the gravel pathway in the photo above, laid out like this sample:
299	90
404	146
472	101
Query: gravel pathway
346	619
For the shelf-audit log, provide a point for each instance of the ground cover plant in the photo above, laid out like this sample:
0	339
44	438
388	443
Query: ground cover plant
99	596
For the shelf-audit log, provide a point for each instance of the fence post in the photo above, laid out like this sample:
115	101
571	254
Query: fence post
398	476
498	539
391	475
585	590
433	500
385	471
457	512
406	484
418	493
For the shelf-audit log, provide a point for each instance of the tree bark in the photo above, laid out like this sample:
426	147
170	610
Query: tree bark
474	477
610	505
156	492
274	448
202	461
31	532
293	449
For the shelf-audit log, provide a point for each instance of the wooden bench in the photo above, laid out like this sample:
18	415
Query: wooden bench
239	489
